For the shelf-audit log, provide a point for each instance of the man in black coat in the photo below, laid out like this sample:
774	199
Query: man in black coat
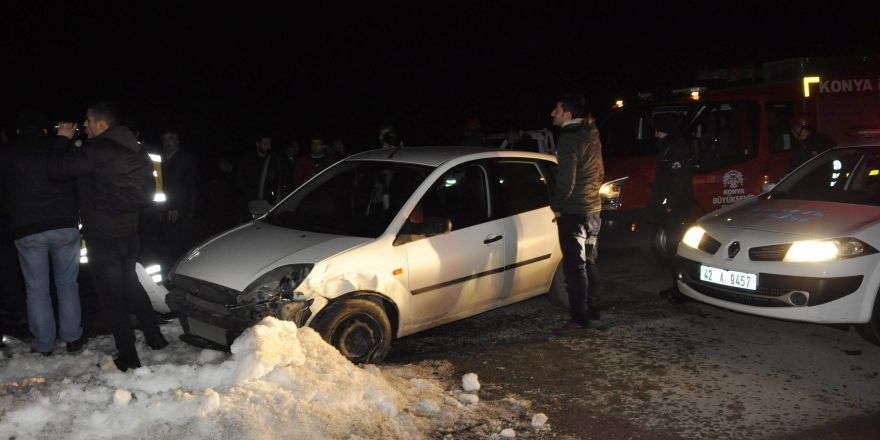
115	182
808	142
180	174
672	192
577	206
43	222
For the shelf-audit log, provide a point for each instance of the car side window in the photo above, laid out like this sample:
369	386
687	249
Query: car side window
521	187
457	199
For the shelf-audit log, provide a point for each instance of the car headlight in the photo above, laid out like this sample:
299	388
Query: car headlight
826	250
693	236
277	283
610	193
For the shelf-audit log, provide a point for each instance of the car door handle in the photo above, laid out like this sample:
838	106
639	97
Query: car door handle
492	239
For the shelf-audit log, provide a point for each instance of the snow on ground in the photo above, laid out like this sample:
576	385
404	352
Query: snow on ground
279	382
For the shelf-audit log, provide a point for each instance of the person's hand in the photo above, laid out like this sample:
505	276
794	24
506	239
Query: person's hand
557	214
173	215
66	129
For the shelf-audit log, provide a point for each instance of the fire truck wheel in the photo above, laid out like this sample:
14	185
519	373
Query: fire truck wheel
654	247
871	330
358	328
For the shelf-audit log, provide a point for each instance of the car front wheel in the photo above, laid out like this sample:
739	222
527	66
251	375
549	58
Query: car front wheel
358	328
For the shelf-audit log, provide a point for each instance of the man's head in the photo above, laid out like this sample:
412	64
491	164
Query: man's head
264	144
800	127
567	108
100	117
388	136
664	123
318	145
170	140
292	148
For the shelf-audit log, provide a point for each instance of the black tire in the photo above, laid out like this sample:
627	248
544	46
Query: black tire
654	246
871	330
358	328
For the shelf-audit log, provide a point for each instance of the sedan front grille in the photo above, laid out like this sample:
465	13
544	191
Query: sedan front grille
774	252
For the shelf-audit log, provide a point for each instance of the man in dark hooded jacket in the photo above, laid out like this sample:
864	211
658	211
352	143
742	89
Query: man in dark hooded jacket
672	192
114	182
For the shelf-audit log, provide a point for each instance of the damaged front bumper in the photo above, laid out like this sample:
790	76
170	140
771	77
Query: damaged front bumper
211	319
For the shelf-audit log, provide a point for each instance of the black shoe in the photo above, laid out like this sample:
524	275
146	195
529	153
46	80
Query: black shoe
125	366
156	342
44	353
77	345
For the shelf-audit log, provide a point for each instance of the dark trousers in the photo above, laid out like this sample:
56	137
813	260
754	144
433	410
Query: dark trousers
112	264
176	237
674	224
577	238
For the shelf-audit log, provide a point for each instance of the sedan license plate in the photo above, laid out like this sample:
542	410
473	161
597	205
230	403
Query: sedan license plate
730	278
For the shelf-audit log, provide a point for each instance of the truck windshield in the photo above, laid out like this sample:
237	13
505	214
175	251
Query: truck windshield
355	198
845	175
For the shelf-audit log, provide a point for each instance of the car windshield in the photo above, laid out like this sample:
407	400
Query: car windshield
845	175
356	198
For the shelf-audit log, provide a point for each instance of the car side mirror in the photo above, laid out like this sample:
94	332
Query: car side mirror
258	208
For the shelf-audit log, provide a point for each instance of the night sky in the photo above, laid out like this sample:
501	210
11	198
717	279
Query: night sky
222	73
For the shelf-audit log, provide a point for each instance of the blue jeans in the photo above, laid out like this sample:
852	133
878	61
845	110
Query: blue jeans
33	253
577	240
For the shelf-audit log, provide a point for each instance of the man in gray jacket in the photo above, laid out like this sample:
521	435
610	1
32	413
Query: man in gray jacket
577	206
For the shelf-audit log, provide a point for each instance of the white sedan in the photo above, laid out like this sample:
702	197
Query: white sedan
383	244
804	251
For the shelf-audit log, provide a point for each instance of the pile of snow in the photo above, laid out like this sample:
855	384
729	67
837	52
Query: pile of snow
279	382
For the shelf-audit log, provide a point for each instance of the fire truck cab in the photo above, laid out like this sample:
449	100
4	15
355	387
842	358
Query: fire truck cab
740	134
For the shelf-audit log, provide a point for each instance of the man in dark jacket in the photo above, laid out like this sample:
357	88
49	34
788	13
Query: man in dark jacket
672	192
256	176
43	221
577	206
114	182
180	174
808	143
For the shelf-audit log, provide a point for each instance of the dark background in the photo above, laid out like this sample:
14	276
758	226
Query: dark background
222	72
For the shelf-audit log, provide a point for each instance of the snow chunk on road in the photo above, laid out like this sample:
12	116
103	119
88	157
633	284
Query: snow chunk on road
470	383
121	397
508	433
538	420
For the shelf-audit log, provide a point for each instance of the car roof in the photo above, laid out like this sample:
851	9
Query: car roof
436	156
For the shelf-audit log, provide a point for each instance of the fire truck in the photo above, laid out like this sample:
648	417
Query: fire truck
738	121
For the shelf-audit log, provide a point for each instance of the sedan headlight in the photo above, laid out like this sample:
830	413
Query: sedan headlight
610	193
277	283
693	236
826	250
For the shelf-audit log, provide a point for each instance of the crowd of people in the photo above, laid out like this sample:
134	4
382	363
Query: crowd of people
57	189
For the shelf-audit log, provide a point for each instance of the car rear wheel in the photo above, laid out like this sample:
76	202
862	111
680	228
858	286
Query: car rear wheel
358	328
871	330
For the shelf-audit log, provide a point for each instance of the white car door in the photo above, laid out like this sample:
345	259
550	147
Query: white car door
461	272
531	238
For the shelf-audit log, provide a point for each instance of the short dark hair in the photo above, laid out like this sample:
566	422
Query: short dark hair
106	111
574	104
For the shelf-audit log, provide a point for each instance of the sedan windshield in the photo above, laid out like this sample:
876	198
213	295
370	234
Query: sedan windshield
356	198
846	175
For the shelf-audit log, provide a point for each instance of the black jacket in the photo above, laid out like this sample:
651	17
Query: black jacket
580	171
35	202
114	181
180	174
673	187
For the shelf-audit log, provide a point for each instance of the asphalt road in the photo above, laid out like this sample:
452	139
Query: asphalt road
664	371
